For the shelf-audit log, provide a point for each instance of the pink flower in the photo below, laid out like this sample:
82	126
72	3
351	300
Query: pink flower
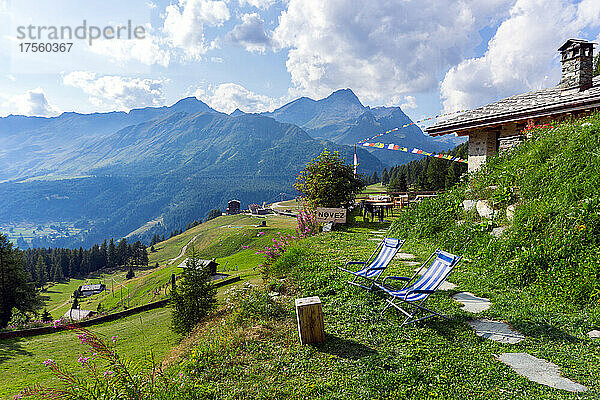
83	360
108	373
49	362
114	339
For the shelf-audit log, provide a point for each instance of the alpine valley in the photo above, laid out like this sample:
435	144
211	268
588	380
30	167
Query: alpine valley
168	166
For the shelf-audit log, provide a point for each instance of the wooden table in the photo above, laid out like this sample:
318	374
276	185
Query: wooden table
376	207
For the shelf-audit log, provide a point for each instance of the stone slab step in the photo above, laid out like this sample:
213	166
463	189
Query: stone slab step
496	331
404	256
595	334
472	303
540	371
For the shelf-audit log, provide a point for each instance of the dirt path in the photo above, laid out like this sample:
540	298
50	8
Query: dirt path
183	250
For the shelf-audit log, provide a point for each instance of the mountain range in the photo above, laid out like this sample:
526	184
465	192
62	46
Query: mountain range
112	172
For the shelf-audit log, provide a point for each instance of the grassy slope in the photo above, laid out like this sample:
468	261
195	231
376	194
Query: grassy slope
367	356
553	179
220	238
374	188
21	359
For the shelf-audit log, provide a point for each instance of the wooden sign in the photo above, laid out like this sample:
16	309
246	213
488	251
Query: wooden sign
335	215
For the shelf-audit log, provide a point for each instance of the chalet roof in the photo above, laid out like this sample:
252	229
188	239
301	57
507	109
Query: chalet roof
91	287
540	103
76	314
202	263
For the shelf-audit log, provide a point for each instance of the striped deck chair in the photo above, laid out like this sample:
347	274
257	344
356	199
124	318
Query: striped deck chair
376	264
414	293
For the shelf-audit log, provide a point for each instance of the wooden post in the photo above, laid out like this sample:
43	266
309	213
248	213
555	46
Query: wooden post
310	320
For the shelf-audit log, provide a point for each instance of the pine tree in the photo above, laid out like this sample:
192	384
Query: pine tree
15	291
122	252
41	272
194	297
111	254
57	275
385	178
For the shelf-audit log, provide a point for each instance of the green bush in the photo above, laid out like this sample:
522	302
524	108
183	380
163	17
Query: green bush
328	182
250	302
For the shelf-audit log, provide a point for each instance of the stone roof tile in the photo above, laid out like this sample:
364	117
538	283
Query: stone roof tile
530	103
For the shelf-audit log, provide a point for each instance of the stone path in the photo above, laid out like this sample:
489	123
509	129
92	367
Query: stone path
532	368
496	331
540	371
595	334
404	256
472	303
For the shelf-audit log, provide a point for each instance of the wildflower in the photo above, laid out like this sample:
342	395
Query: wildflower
108	373
114	339
49	362
83	360
580	228
18	396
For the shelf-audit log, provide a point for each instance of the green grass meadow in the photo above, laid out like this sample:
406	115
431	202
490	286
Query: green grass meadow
138	335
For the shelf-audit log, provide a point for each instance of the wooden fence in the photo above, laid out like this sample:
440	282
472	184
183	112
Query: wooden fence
44	330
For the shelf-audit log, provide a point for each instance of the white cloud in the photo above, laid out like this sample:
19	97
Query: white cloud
185	24
262	4
250	34
410	103
379	48
111	92
33	102
151	5
149	51
226	97
521	56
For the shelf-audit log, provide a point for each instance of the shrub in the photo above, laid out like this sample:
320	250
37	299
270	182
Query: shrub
328	182
18	318
307	222
249	302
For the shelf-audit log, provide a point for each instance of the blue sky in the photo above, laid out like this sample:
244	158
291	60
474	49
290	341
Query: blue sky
427	56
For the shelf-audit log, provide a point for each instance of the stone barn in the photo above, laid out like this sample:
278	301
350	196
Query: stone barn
499	126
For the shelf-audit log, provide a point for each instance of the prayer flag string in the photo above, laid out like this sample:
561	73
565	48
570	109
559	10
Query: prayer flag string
391	146
407	125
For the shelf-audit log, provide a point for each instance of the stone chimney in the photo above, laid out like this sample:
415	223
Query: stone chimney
577	59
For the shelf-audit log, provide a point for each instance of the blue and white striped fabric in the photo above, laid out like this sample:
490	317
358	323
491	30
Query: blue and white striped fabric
430	280
375	268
